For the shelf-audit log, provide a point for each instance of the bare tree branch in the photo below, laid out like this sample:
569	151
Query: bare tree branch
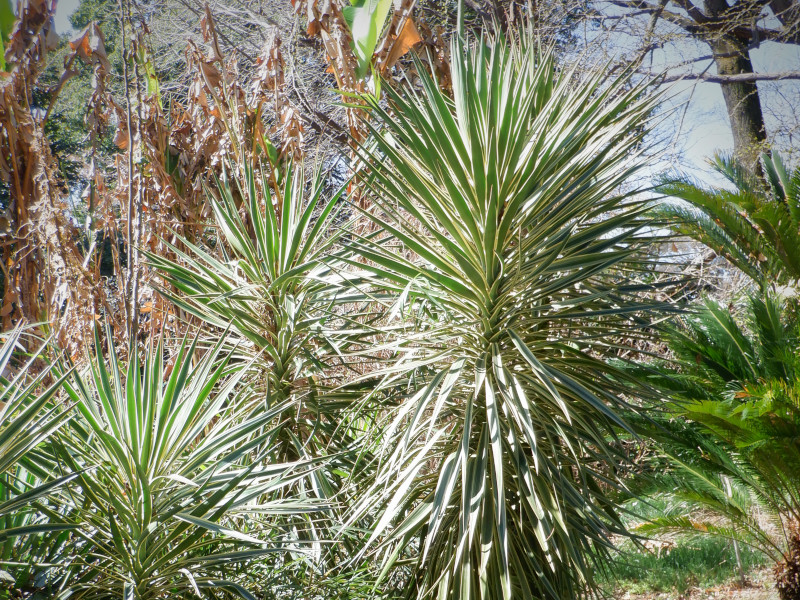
738	78
704	25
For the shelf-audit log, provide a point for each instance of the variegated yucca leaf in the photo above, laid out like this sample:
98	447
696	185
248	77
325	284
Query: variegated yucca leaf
29	415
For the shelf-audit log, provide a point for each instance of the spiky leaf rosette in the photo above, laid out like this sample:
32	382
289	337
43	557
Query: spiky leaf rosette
268	282
512	254
164	460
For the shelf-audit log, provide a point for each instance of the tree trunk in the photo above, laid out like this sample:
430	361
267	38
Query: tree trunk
742	101
732	57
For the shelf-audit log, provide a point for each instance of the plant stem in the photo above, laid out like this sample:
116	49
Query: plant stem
130	302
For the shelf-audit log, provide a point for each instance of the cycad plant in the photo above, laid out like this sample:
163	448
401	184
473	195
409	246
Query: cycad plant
165	457
513	256
730	429
755	225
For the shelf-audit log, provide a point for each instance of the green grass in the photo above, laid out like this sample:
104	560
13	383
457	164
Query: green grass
701	562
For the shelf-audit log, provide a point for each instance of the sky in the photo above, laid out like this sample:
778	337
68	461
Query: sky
699	107
706	128
64	9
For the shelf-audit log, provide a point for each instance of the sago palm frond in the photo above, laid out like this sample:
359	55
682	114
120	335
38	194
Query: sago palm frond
730	424
510	249
756	226
718	356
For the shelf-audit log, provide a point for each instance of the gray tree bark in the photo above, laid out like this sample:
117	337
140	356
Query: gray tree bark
742	101
732	57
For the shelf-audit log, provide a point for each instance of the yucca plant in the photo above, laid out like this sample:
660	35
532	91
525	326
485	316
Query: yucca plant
266	281
270	271
512	255
756	225
30	413
165	458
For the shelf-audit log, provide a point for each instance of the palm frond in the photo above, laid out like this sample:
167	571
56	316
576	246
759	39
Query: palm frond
756	226
729	428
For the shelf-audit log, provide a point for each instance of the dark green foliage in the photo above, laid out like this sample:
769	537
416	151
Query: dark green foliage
718	356
105	13
756	226
730	426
